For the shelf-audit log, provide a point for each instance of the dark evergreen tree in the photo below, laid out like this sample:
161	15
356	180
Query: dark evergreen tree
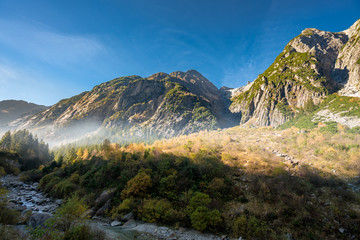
5	141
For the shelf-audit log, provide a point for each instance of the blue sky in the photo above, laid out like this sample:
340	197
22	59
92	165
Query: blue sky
50	50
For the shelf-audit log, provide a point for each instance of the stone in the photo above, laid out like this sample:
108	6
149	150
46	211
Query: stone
89	213
59	201
115	223
172	236
105	196
105	207
289	236
127	217
38	219
130	224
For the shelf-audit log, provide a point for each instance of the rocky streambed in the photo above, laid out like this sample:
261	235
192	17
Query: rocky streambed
27	199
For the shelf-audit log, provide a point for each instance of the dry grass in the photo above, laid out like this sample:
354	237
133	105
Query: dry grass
252	149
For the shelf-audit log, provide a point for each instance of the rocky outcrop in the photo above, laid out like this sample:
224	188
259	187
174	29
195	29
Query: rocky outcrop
38	220
312	65
347	67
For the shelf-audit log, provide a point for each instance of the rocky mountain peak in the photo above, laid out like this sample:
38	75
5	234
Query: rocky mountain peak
162	105
353	30
347	67
191	76
158	76
312	65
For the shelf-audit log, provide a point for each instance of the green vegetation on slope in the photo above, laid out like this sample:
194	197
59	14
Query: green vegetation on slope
223	182
22	149
288	66
179	99
342	105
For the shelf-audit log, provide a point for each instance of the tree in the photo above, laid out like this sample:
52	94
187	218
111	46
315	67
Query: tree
79	153
86	154
309	106
5	141
138	186
201	216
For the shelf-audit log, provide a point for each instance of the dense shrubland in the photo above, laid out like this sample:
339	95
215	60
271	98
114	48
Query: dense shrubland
68	223
222	182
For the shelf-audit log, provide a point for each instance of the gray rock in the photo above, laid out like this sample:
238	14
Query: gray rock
289	236
127	217
105	196
59	201
172	236
115	223
38	219
89	213
130	224
105	207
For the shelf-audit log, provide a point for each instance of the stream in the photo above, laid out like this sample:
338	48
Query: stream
26	197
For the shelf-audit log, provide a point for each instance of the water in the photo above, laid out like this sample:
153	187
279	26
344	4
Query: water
23	196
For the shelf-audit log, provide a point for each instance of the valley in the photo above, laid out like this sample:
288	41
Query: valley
171	156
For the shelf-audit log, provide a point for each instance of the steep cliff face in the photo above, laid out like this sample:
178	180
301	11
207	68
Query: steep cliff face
163	104
347	67
312	65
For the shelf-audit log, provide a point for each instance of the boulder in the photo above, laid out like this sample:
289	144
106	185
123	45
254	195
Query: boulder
172	236
102	210
89	213
127	217
130	224
38	219
115	223
105	196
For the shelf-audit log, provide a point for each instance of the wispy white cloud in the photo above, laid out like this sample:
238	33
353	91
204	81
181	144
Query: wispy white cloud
23	83
41	42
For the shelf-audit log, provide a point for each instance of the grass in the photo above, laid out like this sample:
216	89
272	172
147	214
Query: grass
250	149
347	106
256	183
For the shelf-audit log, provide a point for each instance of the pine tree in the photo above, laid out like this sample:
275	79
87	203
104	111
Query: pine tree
5	142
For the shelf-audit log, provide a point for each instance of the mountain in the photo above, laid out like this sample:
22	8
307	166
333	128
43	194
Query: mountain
312	65
13	109
163	105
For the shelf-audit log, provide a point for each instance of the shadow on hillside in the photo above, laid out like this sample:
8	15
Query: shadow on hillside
267	205
341	77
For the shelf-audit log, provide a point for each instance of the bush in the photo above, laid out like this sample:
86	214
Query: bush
249	228
63	189
124	207
202	218
137	186
7	216
331	127
9	233
31	176
83	232
74	209
2	172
